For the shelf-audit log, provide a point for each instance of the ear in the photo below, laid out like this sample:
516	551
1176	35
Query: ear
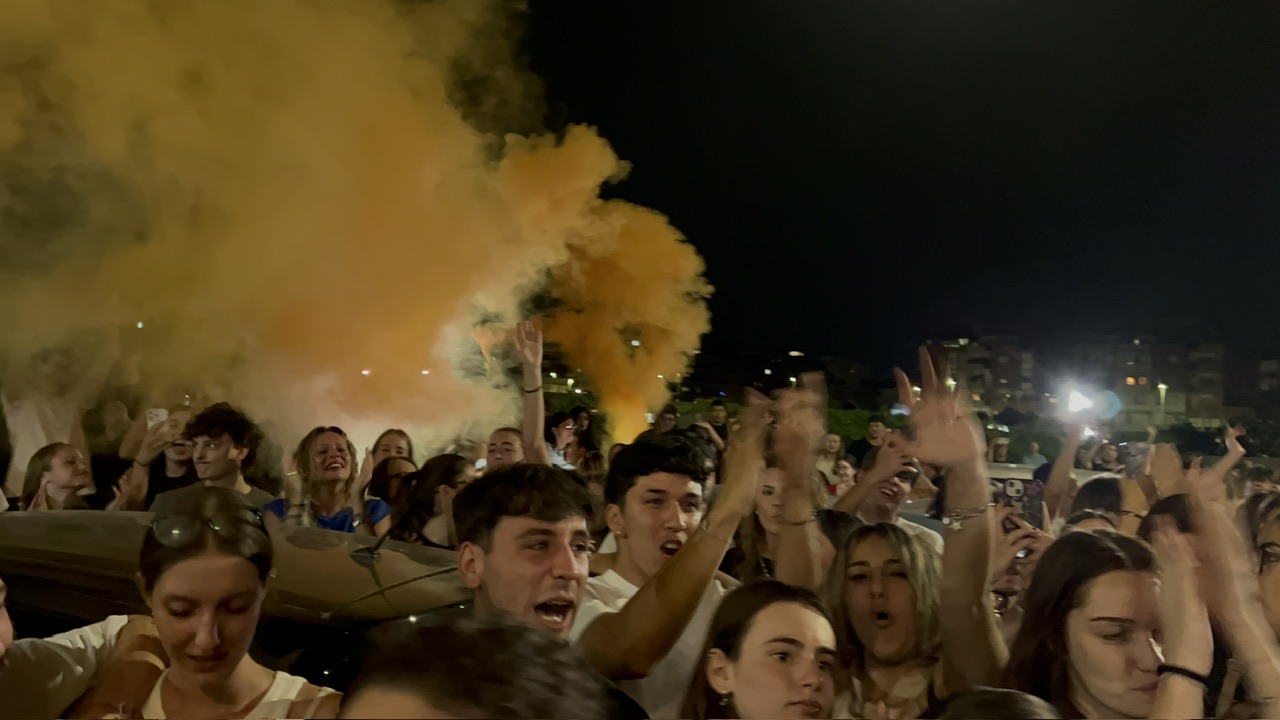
719	672
142	590
471	564
446	492
614	517
239	454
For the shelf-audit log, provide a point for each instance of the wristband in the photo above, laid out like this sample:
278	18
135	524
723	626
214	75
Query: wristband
530	392
1188	674
791	523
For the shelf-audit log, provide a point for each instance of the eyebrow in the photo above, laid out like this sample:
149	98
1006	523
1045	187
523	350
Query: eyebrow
785	640
1122	621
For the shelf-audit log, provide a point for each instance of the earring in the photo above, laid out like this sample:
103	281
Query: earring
725	698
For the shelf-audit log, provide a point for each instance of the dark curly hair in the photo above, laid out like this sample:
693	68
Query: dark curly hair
479	668
669	453
224	420
542	492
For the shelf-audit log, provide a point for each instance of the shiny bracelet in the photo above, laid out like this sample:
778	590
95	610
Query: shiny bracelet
707	529
954	519
791	523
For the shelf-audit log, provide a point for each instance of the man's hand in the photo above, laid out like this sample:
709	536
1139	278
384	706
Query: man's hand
742	465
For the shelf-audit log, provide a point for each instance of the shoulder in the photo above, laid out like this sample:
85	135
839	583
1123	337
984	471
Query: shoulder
278	507
376	509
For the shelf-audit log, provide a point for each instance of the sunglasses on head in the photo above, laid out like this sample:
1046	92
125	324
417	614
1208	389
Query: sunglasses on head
178	531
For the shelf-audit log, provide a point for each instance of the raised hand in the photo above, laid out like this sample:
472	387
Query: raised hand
529	344
744	459
945	432
1188	640
1231	439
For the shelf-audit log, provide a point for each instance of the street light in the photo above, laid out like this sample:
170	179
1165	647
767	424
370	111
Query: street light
1163	389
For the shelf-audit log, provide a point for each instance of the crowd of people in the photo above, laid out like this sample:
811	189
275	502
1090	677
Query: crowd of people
738	567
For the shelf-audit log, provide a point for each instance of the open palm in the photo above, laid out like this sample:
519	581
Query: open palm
945	432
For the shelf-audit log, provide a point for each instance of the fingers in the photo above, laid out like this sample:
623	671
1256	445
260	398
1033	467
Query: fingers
906	396
928	376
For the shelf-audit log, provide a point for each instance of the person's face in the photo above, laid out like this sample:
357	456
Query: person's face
881	601
1269	577
393	704
666	423
876	429
504	449
1035	448
1109	453
6	625
769	501
831	443
53	371
890	494
582	421
1254	487
396	470
68	470
564	433
719	414
1000	452
659	513
217	457
784	666
534	571
844	471
180	451
391	445
206	609
1112	652
331	460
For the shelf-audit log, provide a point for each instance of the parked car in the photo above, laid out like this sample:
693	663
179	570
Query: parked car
68	569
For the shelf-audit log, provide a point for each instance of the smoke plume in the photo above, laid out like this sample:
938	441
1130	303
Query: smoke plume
290	193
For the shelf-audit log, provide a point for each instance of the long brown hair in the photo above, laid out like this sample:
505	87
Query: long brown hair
732	620
1038	660
923	566
40	463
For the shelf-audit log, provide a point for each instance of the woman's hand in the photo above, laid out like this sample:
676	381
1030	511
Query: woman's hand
1008	545
529	345
1188	640
945	432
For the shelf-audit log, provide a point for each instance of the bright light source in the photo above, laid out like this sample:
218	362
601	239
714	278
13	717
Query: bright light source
793	380
570	381
660	377
140	325
364	372
951	383
635	343
796	353
1088	432
577	391
767	371
426	372
915	389
553	376
1076	402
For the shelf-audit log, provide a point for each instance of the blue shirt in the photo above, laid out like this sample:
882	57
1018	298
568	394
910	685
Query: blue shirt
1036	460
342	521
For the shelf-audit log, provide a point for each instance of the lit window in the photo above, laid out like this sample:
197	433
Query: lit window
977	397
1130	381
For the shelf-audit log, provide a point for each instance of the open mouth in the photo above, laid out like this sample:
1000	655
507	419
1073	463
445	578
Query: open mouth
670	548
554	613
882	619
336	465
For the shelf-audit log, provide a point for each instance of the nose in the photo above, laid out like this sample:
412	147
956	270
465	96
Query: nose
673	518
568	565
810	674
1148	656
207	634
876	585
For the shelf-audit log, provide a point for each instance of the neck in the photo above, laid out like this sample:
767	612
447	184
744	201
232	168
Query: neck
233	481
770	545
627	567
248	681
877	513
174	468
57	496
876	441
326	497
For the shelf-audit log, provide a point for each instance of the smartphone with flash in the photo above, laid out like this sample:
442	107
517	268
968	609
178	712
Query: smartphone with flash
155	416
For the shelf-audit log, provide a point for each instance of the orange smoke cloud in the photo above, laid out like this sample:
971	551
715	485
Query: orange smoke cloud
291	192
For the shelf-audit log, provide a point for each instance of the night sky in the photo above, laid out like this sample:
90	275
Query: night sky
861	176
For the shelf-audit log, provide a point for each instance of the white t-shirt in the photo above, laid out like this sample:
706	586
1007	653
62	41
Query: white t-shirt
662	691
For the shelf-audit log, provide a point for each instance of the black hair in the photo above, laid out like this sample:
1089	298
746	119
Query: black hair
481	668
554	421
224	420
1176	506
670	410
719	403
380	478
672	454
578	410
729	626
542	492
213	518
991	704
1101	493
1253	512
1080	516
876	418
417	497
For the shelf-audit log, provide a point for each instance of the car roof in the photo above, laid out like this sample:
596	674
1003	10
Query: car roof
315	575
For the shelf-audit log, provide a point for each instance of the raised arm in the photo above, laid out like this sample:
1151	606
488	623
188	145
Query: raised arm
627	644
1061	485
529	345
973	652
804	553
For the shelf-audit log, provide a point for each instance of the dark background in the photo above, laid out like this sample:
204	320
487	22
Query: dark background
861	176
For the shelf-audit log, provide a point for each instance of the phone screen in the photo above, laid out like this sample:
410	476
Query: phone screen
155	416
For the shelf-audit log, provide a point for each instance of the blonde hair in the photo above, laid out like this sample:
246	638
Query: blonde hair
302	514
923	566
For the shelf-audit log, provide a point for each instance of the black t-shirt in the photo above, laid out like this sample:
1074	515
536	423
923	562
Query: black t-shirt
721	430
859	450
159	482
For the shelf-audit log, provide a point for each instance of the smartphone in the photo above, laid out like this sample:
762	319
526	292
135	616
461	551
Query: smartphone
1135	460
155	416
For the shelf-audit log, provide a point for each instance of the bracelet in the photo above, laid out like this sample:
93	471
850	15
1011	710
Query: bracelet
954	519
1189	674
707	529
790	523
530	392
